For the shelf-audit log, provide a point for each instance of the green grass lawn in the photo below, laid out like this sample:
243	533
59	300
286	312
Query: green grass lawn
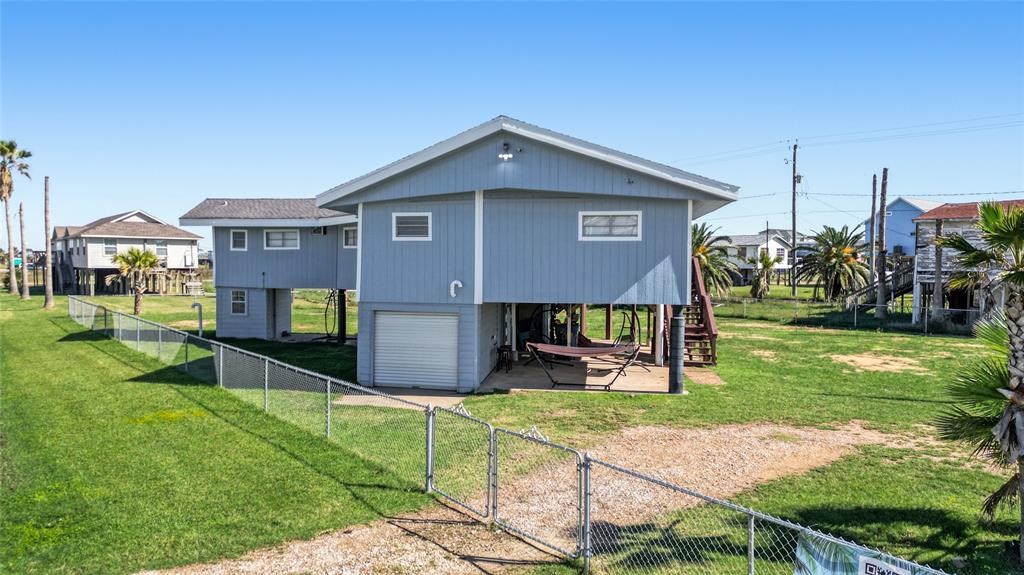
113	462
922	504
777	291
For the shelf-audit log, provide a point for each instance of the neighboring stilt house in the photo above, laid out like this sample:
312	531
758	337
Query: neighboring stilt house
945	220
463	244
83	255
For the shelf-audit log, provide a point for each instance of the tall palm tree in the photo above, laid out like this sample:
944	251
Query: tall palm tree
11	160
834	261
1000	260
764	264
713	257
134	266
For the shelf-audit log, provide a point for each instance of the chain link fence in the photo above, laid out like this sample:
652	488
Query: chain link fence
612	519
900	315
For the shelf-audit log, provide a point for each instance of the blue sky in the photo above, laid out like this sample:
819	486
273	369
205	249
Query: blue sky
159	105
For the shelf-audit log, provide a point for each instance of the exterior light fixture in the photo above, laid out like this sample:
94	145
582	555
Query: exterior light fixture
505	154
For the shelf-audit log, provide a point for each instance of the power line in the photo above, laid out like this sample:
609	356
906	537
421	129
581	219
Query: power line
942	195
913	126
945	132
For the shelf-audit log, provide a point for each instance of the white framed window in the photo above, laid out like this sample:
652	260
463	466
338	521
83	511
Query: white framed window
411	226
238	302
619	226
780	252
110	246
239	240
281	239
350	238
161	248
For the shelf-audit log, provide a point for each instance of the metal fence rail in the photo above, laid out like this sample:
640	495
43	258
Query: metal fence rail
616	519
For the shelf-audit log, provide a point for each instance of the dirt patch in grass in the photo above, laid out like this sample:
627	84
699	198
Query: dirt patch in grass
185	324
704	376
759	337
766	354
878	362
720	461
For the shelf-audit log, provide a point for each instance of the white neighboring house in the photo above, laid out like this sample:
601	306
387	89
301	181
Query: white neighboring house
84	255
776	242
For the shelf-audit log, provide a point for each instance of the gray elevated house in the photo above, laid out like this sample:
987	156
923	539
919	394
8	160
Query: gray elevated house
458	244
266	247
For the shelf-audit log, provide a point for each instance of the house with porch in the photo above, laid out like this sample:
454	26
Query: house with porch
83	256
776	242
459	246
931	261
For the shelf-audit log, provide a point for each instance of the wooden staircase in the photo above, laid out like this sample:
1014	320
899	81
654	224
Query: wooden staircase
899	281
701	341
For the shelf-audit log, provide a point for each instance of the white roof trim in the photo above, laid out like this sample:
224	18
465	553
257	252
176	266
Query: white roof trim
136	237
268	222
135	212
511	126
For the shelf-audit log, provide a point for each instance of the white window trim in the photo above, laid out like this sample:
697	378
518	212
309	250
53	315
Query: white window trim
245	301
639	226
231	240
105	246
345	246
156	248
394	227
298	238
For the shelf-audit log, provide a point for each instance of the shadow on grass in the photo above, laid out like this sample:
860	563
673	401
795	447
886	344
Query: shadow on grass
886	398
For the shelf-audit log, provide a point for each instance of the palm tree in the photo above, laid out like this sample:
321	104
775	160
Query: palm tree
134	266
11	160
834	261
996	427
763	266
713	257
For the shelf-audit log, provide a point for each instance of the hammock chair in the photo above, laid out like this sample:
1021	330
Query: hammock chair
607	353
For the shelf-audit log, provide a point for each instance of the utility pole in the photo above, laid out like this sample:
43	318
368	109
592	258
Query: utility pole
880	301
792	246
24	254
871	229
48	267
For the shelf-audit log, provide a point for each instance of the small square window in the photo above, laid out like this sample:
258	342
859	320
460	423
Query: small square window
780	252
110	246
161	248
351	237
281	239
238	301
239	240
610	226
411	226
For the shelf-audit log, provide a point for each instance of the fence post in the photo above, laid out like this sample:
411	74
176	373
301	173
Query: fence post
138	335
106	330
220	368
586	551
159	342
186	352
750	544
926	321
328	407
266	385
855	306
429	479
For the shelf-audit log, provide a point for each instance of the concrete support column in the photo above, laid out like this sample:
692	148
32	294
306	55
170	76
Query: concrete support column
676	380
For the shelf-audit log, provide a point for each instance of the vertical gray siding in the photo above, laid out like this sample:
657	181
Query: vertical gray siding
254	323
469	343
490	337
537	167
318	263
347	258
418	271
532	251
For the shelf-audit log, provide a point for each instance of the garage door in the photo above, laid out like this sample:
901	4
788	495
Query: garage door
416	349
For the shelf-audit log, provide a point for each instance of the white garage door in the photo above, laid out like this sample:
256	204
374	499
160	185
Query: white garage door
416	349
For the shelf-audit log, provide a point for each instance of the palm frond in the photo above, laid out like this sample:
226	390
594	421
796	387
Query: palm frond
1005	496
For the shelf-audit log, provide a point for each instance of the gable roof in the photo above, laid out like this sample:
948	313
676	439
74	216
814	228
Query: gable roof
921	203
262	211
715	189
759	238
962	211
115	226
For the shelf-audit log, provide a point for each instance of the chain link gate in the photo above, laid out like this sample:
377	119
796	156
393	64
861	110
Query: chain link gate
459	453
537	490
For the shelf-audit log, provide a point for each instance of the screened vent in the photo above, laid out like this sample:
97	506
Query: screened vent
411	227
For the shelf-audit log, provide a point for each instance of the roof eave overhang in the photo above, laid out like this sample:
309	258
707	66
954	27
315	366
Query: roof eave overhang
500	125
267	222
145	237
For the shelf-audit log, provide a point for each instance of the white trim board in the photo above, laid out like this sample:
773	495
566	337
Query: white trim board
231	241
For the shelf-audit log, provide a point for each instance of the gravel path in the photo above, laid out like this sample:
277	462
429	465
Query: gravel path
720	462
